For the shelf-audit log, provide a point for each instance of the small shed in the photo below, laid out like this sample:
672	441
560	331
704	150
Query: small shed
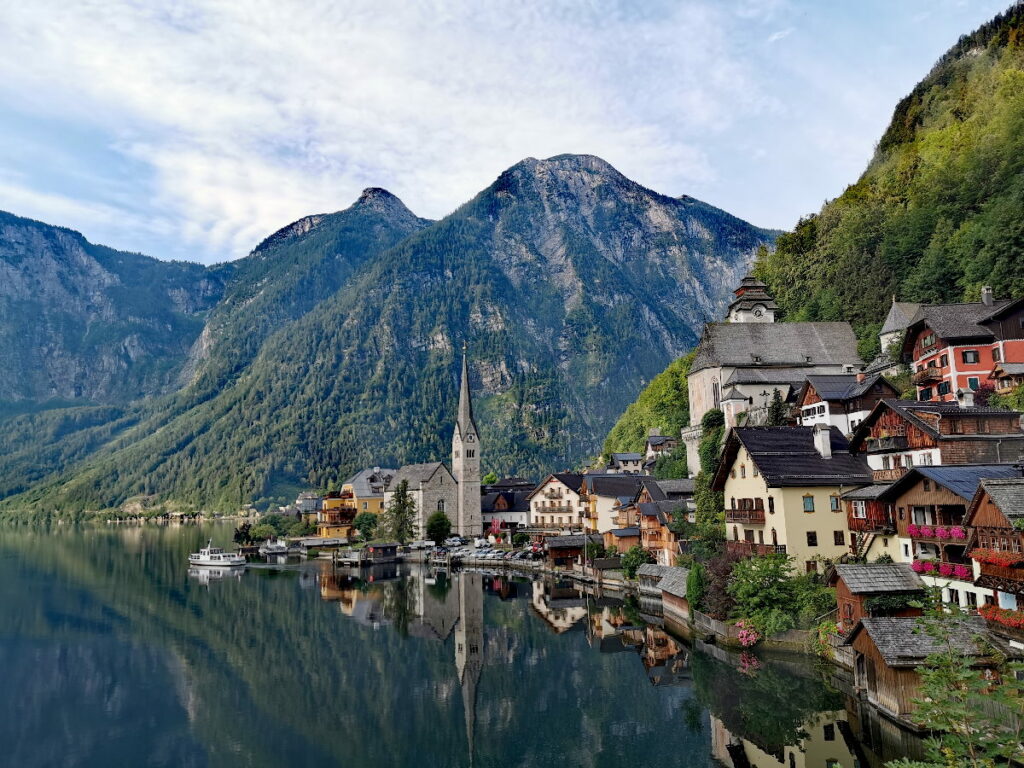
874	589
888	650
563	551
386	552
673	592
622	538
648	575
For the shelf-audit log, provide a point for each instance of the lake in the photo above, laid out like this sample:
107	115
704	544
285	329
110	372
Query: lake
116	654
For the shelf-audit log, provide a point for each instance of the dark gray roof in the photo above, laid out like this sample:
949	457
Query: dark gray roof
879	578
792	375
614	485
627	456
1011	369
958	321
786	456
901	314
625	532
661	439
364	481
673	581
651	569
737	344
681	487
1008	495
912	411
961	479
902	642
576	541
732	394
416	474
867	493
842	386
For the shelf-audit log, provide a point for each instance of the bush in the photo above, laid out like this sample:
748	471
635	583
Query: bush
439	527
633	559
262	532
696	586
366	524
520	539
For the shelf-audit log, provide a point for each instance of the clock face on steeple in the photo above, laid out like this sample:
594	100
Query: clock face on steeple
758	311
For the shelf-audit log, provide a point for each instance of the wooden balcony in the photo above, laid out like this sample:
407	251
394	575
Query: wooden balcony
887	444
928	375
871	524
750	548
751	516
888	475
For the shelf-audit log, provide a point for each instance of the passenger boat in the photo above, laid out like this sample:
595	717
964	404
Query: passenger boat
270	547
215	556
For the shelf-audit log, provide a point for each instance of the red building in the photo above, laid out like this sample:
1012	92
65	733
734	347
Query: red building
956	346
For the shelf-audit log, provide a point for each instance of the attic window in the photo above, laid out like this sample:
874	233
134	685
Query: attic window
807	358
757	358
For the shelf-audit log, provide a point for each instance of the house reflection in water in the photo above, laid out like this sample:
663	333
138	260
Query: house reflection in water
559	603
827	743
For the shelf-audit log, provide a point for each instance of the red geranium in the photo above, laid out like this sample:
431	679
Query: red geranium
1004	616
997	557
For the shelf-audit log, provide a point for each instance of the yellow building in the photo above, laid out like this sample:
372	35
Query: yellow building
365	489
782	488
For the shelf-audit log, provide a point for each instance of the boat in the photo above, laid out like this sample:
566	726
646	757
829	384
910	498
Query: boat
271	547
214	573
215	556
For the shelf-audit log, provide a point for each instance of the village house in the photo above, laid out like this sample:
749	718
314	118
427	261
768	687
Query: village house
566	551
931	509
675	604
556	503
308	501
956	346
603	494
658	445
874	589
995	523
505	509
901	434
366	489
656	534
740	364
1006	377
888	650
841	400
626	463
782	488
872	523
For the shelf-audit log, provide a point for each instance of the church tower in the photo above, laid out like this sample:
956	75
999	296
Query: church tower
466	461
753	303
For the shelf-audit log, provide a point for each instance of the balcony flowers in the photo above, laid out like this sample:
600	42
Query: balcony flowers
945	569
913	530
963	572
958	532
1004	616
923	566
927	531
942	532
997	557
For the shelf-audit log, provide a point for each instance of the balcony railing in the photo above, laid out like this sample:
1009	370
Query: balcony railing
888	475
943	570
872	523
751	548
953	534
561	509
744	516
883	444
926	375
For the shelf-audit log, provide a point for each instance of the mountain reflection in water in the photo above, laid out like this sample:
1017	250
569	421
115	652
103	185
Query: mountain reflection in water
118	654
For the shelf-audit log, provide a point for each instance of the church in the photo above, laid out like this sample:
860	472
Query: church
456	492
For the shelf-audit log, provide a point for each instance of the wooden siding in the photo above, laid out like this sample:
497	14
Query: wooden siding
890	689
917	496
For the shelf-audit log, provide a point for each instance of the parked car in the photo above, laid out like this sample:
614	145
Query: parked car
423	544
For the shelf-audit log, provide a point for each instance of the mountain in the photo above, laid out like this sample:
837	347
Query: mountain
938	212
86	323
571	285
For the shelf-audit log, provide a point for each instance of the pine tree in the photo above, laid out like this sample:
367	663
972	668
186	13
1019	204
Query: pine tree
398	521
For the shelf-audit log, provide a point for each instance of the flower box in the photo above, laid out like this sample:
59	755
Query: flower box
913	530
923	566
927	531
1003	616
997	557
942	532
957	532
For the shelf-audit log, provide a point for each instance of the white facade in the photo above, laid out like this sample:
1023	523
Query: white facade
924	457
466	463
555	505
820	413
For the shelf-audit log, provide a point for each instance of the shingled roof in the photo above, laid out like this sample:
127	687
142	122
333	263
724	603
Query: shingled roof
682	487
961	479
416	474
1008	495
925	416
901	315
956	321
902	642
786	456
775	344
879	578
673	581
843	386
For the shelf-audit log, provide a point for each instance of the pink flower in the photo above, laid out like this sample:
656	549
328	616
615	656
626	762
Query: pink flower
946	569
913	529
963	572
942	533
957	532
927	531
917	566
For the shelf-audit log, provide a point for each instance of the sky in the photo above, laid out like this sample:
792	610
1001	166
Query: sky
191	129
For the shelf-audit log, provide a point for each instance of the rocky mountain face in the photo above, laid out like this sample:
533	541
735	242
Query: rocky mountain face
571	285
88	323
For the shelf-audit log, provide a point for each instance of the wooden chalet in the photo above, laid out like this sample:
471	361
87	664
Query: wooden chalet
901	434
841	400
888	650
865	590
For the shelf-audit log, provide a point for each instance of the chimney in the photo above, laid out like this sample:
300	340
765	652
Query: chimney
823	440
986	296
965	397
861	376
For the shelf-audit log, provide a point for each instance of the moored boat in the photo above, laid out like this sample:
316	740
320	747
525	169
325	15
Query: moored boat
215	556
271	547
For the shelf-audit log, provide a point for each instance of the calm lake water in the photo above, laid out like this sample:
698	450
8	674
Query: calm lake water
114	653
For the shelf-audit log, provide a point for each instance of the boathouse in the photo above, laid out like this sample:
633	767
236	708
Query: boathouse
875	589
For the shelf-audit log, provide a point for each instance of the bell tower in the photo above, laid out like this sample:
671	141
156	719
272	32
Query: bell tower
753	303
466	461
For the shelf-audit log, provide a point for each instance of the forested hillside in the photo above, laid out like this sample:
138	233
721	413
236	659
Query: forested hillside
570	283
938	213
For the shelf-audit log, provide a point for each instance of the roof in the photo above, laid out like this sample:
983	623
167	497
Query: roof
625	532
867	493
961	479
627	457
652	569
464	423
1010	369
661	439
673	581
926	414
775	344
364	481
786	456
902	642
570	480
682	487
576	541
843	386
415	474
1008	495
957	321
901	315
879	578
516	501
614	485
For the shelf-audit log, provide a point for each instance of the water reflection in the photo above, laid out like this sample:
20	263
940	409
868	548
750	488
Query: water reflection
305	664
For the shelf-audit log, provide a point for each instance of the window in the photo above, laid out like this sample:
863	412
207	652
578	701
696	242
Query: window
925	394
906	551
440	505
972	599
954	597
829	732
364	506
860	509
943	388
811	566
927	484
743	470
808	503
753	470
812	538
928	340
834	504
926	460
972	383
748	535
771	505
996	355
470	453
839	538
956	426
885	462
910	460
716	395
969	356
944	361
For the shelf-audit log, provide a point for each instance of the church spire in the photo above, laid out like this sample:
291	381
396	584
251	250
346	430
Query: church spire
465	423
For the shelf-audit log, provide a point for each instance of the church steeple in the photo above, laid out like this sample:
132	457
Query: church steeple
466	460
753	303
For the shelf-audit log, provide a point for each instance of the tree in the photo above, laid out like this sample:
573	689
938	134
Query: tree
594	550
262	532
671	466
778	411
398	521
520	539
635	557
489	479
366	524
243	534
439	527
696	586
764	592
952	697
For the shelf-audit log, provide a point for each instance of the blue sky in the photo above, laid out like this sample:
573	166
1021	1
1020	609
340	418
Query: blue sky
191	129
